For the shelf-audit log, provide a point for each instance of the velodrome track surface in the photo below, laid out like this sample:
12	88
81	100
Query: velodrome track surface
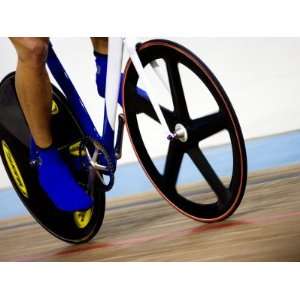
266	227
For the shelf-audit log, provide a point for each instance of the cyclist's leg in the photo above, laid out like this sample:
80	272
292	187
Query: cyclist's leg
33	86
34	93
100	45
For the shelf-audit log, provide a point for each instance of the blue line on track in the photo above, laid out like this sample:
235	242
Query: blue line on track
263	153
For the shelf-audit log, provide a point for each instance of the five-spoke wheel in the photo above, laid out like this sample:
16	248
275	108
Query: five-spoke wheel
225	192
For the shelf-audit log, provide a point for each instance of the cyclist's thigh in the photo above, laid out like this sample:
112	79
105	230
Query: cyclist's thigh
31	49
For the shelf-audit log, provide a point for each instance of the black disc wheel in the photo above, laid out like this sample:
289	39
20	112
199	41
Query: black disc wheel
219	190
72	227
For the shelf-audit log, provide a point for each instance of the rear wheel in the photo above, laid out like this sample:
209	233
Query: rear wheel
71	227
224	193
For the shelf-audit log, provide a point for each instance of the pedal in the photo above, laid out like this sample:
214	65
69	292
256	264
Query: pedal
119	143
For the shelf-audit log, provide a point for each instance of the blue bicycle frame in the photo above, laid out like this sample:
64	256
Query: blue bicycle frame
77	107
150	77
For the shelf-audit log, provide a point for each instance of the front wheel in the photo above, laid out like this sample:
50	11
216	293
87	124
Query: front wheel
185	73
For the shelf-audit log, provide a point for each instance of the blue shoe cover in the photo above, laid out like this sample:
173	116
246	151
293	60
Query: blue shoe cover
58	182
101	64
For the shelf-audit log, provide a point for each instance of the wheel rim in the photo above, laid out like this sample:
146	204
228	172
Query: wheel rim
227	199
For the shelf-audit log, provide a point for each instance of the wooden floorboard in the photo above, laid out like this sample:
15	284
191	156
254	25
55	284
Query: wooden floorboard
266	227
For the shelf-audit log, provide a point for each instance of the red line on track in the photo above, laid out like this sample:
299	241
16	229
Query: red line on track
263	220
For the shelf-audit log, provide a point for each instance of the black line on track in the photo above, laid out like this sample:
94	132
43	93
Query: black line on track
159	199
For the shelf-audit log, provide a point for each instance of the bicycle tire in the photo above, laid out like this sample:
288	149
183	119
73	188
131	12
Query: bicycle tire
227	199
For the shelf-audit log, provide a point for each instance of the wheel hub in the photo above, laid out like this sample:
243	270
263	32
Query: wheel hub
180	133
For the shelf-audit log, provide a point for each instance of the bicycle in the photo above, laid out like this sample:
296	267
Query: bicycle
93	157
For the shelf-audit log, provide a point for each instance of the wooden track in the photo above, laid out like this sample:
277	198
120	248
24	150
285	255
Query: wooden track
266	227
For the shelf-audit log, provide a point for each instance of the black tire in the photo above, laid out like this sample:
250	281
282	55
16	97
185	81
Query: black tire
70	227
226	200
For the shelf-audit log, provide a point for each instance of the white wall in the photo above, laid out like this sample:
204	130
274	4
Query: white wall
260	75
